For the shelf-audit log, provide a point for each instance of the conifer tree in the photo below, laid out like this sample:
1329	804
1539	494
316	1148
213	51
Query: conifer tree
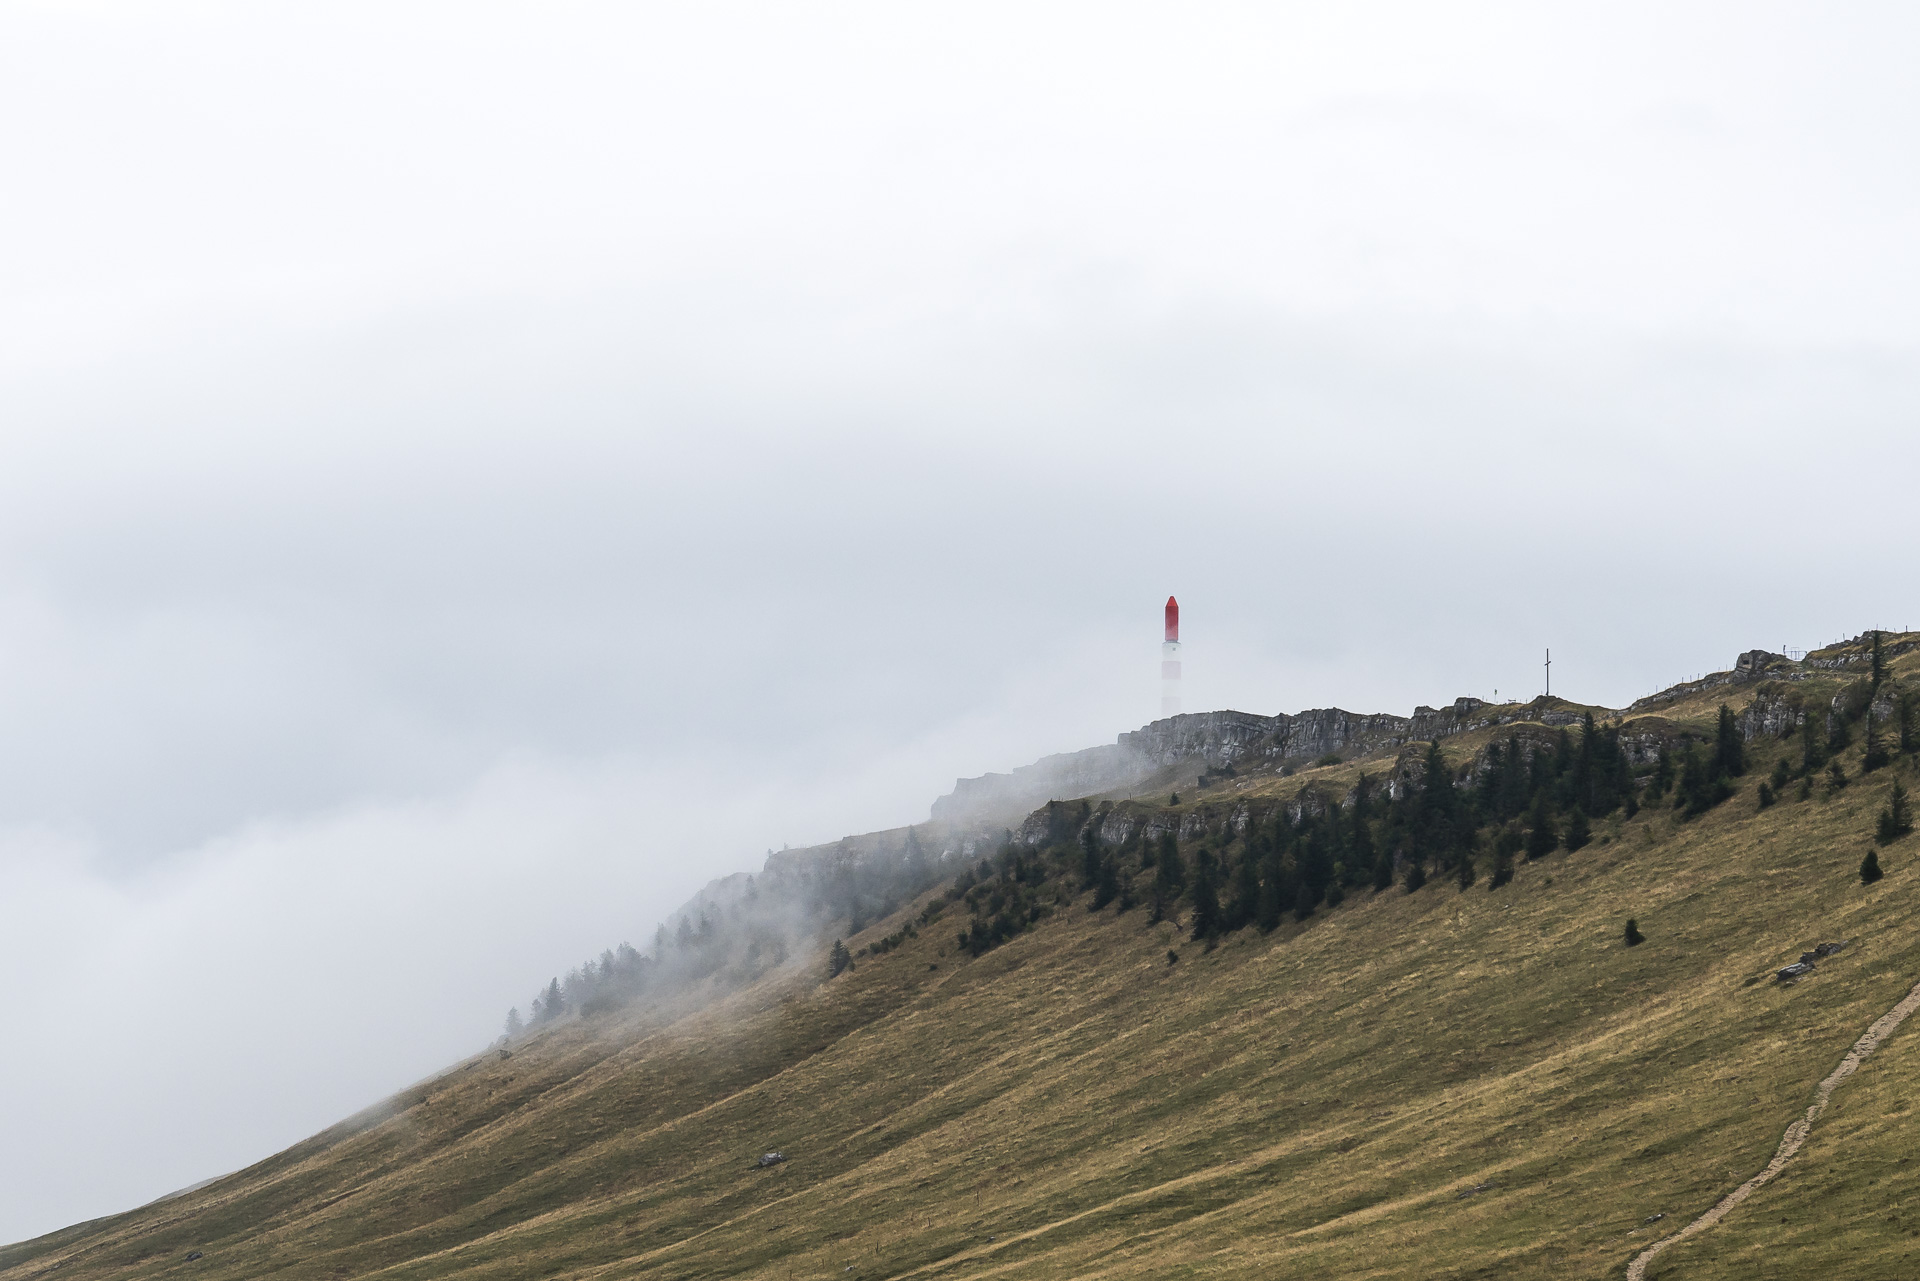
1876	751
1171	866
1245	908
1274	890
1634	937
1729	752
1765	794
1896	820
1782	775
1488	788
1582	774
913	863
1541	836
1904	717
1090	860
1662	775
1879	657
1464	870
1106	882
1436	782
514	1026
554	1004
1579	833
1562	755
1516	788
1703	783
838	960
1836	777
1813	752
1169	877
1206	896
1506	843
1870	868
1839	735
1416	873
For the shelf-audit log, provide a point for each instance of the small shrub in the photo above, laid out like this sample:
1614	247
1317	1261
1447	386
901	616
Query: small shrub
1870	868
1172	956
1782	775
1331	758
1766	794
1836	777
1634	937
1174	799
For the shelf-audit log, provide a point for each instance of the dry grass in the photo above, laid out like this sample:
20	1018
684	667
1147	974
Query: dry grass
1315	1103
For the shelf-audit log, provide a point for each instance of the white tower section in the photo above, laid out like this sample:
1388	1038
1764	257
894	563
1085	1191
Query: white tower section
1170	662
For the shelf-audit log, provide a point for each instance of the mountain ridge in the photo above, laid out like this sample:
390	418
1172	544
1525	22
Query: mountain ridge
1415	1080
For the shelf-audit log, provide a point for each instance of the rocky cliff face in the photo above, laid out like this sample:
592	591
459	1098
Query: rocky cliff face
1217	740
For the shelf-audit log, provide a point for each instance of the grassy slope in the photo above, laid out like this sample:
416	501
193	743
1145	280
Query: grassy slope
1313	1103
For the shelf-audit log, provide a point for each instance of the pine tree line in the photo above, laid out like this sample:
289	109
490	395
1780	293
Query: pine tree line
729	942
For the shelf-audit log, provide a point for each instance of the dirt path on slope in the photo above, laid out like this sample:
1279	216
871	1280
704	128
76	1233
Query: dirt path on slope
1790	1141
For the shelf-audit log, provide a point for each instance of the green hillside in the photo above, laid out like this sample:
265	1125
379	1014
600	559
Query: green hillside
1445	1082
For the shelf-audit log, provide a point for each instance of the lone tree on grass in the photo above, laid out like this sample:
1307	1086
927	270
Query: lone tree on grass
839	959
1870	868
1633	936
1896	820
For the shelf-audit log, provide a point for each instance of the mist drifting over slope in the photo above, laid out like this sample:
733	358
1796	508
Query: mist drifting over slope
470	476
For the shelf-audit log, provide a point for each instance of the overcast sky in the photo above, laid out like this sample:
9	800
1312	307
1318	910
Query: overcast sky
469	473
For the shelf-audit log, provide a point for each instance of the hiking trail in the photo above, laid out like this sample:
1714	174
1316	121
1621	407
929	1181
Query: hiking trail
1796	1134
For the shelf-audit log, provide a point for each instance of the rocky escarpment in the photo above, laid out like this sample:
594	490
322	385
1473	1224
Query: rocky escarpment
1219	740
980	812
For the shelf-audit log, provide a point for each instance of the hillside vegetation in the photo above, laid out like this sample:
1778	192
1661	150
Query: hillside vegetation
1351	1079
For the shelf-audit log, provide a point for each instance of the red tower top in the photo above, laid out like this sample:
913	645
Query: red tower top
1173	619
